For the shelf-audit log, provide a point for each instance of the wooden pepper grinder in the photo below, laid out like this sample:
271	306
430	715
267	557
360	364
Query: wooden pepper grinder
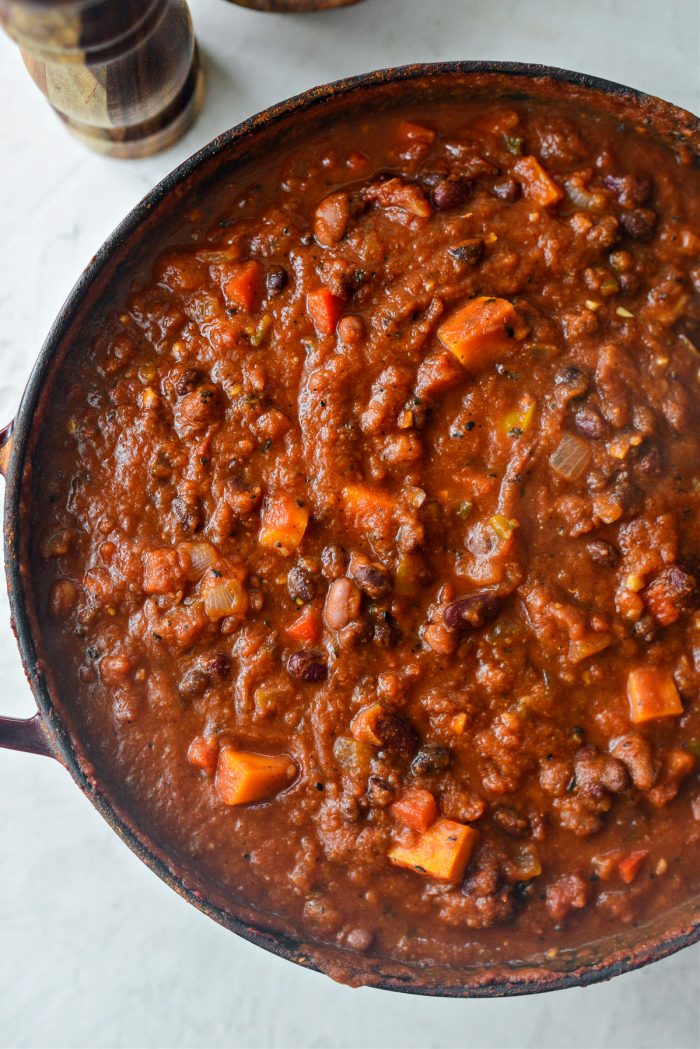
124	75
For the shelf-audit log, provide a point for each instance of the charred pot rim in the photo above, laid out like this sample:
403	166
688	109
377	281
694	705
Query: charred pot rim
391	87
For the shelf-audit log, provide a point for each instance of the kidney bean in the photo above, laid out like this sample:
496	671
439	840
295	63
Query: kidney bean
472	612
309	667
603	553
589	423
188	381
217	666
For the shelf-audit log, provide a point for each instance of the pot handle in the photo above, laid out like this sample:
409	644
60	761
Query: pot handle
26	734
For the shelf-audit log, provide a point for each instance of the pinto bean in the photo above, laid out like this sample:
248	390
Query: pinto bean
194	683
309	667
342	603
331	219
472	612
351	329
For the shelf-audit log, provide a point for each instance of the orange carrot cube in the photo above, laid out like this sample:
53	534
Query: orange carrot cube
283	523
442	852
243	287
480	331
243	777
416	808
325	310
652	694
538	186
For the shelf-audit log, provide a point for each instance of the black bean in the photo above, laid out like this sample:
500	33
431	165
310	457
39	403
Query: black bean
217	666
589	422
333	560
188	381
470	252
398	735
385	631
276	279
370	576
472	612
193	683
307	666
431	759
629	189
639	223
573	379
301	584
450	193
603	553
506	189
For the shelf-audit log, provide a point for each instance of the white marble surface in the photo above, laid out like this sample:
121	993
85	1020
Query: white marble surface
94	950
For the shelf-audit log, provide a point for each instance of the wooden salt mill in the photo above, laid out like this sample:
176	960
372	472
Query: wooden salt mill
124	75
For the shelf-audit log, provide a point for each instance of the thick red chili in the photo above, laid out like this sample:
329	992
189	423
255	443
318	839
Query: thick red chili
368	538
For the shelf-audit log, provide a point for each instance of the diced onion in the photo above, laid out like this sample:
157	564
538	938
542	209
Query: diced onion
571	457
198	558
227	598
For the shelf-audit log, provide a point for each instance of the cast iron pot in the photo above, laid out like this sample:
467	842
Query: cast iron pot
134	242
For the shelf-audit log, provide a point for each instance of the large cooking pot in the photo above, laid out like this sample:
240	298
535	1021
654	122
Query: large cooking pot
132	245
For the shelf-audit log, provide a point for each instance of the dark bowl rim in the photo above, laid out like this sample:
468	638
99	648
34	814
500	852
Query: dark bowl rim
353	969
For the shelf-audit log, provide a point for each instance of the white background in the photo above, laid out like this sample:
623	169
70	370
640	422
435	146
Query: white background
94	950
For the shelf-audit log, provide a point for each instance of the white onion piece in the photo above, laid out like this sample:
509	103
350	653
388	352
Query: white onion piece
571	457
227	598
198	559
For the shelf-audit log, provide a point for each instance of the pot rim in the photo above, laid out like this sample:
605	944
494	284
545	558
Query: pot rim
338	962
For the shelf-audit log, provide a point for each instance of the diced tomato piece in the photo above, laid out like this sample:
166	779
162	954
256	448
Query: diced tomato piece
630	866
325	310
163	573
203	753
308	626
243	288
416	808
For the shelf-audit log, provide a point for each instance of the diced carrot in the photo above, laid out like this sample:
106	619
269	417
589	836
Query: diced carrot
364	726
652	694
283	523
369	509
162	572
325	310
630	866
243	777
538	186
410	132
203	753
442	852
244	285
308	625
416	808
480	331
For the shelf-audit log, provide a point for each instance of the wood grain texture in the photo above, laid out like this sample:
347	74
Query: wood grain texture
123	75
